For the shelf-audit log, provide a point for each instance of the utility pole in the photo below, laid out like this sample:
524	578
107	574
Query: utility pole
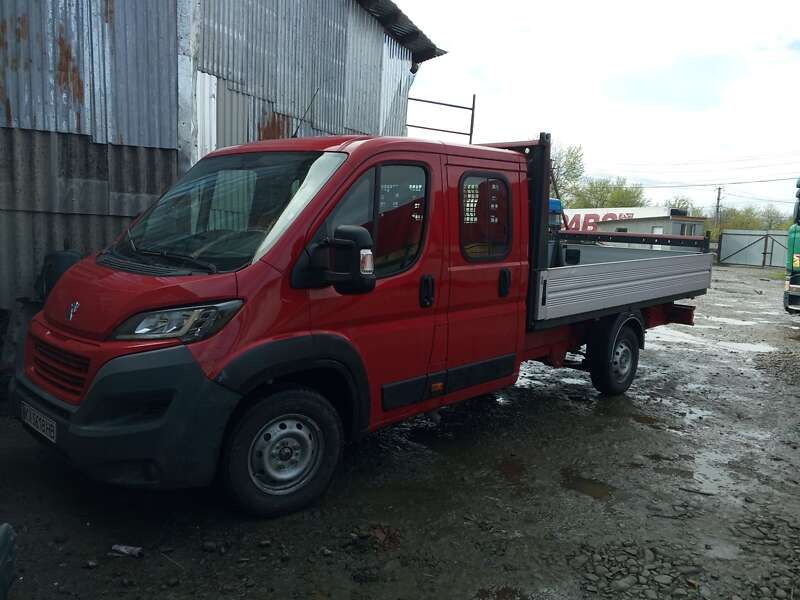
716	214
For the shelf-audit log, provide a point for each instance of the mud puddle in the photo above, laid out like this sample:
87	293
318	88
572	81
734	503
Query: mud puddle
711	472
593	488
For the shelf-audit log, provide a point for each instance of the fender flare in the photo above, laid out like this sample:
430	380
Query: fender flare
606	331
268	361
633	317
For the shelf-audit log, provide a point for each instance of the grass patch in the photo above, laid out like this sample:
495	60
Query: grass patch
776	275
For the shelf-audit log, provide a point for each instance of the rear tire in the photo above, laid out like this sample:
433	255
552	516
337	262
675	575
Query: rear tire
282	452
613	367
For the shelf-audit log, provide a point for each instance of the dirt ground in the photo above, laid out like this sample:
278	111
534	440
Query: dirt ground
687	486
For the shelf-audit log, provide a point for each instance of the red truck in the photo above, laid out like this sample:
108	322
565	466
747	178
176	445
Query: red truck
285	297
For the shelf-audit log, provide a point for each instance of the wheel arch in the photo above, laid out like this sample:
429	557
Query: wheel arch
606	330
326	363
635	321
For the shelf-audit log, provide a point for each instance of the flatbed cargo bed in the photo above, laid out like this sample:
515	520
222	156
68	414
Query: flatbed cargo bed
607	275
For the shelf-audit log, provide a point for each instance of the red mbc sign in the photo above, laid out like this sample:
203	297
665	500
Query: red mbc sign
588	221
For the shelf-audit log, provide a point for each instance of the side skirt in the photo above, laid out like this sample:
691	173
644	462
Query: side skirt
418	389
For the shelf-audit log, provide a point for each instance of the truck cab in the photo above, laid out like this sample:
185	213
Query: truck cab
286	296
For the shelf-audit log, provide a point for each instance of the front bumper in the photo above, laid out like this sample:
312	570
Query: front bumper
150	419
791	298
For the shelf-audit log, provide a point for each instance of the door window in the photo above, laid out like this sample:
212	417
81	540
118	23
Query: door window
485	217
355	208
393	211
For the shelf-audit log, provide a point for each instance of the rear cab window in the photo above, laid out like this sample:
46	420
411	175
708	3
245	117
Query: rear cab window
485	216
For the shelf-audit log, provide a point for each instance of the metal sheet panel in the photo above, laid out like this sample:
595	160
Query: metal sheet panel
45	63
97	67
206	110
365	39
26	237
586	288
141	48
328	63
61	191
243	118
396	80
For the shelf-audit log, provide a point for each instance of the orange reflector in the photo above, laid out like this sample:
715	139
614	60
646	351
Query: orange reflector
437	388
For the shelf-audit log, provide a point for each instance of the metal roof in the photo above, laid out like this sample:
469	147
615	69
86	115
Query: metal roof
401	28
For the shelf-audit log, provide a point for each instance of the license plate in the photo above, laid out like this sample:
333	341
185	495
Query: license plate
41	423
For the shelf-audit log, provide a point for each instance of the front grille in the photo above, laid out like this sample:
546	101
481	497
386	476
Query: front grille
64	370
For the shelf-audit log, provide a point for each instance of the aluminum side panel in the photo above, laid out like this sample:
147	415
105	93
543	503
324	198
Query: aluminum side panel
585	288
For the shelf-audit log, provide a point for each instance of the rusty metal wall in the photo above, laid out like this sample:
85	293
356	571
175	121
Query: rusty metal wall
103	102
327	65
98	67
61	191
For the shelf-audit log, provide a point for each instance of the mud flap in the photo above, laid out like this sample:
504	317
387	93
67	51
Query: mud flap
680	313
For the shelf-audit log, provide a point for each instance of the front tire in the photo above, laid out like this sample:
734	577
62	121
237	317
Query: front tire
613	367
282	452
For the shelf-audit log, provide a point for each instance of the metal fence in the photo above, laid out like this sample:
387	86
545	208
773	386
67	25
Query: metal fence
753	247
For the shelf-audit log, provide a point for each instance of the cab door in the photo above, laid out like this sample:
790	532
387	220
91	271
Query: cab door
397	196
486	299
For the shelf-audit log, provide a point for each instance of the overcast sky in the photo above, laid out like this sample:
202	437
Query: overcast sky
669	92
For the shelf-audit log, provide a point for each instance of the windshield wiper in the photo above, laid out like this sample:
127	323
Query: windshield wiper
210	267
130	240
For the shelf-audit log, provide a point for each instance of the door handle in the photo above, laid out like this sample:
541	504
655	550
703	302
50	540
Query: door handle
504	284
427	289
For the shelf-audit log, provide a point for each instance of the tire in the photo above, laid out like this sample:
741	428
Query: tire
282	452
613	366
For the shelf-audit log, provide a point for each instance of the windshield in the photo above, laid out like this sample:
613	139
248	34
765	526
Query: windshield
228	210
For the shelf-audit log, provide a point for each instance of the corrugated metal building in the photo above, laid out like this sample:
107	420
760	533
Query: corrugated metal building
104	102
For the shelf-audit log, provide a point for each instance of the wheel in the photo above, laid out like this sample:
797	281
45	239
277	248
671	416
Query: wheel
282	452
613	368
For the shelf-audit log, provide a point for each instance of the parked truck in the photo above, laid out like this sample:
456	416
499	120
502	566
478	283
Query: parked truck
791	293
287	296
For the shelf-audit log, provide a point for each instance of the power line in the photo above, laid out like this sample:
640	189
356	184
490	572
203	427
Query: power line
694	185
768	200
701	168
711	160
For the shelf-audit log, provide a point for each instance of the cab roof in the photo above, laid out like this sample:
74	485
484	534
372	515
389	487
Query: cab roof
358	144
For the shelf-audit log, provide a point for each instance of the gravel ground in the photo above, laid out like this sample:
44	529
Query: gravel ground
687	486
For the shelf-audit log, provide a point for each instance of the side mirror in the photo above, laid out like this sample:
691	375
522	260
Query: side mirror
353	263
797	204
344	261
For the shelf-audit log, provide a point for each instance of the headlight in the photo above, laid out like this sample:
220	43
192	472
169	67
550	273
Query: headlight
188	324
786	285
796	261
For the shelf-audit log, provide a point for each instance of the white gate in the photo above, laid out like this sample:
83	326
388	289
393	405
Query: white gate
753	247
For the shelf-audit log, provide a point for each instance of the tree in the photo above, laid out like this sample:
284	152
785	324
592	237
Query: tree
567	170
774	219
606	193
681	203
696	211
740	218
